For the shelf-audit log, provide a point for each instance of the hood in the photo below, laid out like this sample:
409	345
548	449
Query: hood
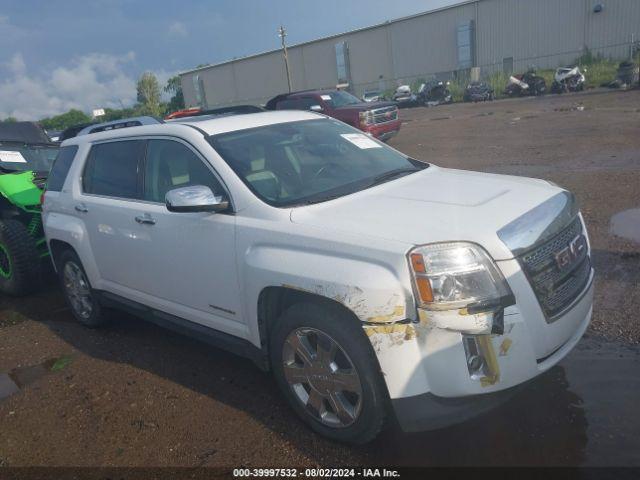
362	106
434	205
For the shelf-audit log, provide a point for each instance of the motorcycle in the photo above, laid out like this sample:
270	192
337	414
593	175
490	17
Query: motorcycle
478	92
568	79
526	84
628	74
433	93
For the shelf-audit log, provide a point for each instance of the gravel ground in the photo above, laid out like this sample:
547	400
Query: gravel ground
135	395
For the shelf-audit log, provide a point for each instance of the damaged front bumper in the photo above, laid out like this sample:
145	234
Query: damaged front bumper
429	412
427	372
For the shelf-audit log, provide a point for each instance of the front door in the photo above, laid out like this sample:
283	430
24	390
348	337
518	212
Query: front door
190	263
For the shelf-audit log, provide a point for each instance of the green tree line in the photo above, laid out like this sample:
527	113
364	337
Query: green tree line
148	103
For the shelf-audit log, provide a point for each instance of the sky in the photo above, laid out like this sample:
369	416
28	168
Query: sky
86	54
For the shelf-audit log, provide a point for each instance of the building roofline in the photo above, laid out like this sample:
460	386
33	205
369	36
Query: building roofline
329	37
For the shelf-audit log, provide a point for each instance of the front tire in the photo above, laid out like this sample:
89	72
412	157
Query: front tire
20	272
327	370
78	293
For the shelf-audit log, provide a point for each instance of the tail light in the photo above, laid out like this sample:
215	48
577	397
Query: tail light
42	197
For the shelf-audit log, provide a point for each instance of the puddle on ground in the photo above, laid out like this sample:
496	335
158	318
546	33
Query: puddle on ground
583	411
21	377
626	224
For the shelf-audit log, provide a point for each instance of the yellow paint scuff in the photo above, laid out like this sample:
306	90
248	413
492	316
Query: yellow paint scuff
398	311
423	315
505	346
486	348
406	329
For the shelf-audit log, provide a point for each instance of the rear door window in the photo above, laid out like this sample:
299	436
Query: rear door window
112	169
289	104
60	168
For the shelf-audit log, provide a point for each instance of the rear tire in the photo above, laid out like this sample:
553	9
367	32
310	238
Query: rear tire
20	270
81	298
327	370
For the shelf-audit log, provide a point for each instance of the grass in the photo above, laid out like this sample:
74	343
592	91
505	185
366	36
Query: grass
61	363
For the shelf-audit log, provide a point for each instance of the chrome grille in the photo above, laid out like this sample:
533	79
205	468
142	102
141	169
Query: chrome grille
385	114
556	288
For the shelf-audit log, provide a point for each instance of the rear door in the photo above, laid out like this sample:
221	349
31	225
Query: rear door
107	203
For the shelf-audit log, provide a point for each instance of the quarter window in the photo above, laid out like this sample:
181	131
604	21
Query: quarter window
61	166
112	169
172	165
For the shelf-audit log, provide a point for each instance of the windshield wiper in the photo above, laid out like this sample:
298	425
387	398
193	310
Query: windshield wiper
326	198
385	177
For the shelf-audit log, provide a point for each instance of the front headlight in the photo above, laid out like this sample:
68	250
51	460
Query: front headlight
456	275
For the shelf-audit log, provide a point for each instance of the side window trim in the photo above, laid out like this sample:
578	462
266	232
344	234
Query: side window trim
142	165
200	157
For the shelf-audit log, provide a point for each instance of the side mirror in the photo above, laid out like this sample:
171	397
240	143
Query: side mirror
196	198
316	108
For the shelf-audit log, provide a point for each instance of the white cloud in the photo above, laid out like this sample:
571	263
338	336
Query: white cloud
16	65
96	80
178	29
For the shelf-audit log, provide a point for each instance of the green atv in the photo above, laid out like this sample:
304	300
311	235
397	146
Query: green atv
26	156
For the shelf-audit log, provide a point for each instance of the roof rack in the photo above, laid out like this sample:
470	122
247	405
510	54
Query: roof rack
117	124
196	112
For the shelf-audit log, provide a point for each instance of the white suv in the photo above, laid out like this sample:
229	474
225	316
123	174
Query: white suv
370	283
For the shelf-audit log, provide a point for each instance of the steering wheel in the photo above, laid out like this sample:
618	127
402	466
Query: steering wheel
328	167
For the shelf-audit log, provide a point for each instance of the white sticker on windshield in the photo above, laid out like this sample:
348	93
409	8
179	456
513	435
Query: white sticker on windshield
9	156
325	97
360	140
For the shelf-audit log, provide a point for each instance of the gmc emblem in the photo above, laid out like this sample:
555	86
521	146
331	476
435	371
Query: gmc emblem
571	253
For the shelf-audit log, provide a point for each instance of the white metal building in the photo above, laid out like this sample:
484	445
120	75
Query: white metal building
507	35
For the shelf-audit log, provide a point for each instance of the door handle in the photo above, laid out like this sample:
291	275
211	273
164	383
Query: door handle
81	208
145	220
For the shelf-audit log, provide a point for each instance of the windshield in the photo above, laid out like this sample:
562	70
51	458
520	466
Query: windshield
20	157
341	99
309	161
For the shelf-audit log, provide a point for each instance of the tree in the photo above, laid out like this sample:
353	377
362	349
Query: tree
149	95
65	120
9	120
174	86
111	114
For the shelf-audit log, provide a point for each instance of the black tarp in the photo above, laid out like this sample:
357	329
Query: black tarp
22	132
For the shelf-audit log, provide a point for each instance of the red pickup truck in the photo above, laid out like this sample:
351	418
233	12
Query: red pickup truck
379	119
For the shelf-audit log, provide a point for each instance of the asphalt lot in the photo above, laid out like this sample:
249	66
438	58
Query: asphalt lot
135	395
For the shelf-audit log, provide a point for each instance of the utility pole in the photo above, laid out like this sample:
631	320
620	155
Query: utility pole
283	33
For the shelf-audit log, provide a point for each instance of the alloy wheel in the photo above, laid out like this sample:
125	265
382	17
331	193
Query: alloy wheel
322	377
77	288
